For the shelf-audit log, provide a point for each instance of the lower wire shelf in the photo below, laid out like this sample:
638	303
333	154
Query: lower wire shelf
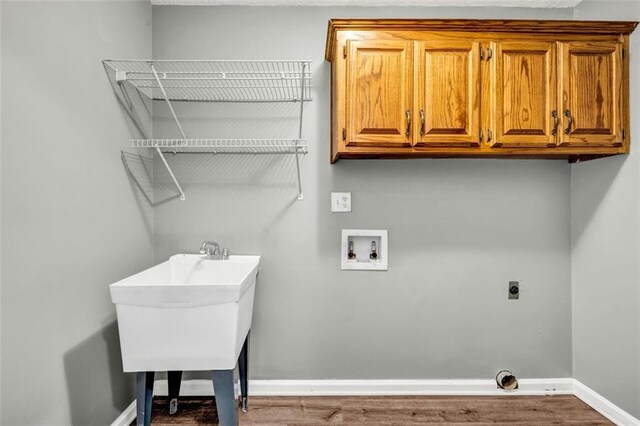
225	146
295	147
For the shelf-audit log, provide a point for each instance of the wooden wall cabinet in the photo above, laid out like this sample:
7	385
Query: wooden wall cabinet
591	85
379	93
478	88
448	93
524	98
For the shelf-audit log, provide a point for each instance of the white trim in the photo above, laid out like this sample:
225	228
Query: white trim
127	416
187	388
378	387
555	386
603	406
374	3
403	387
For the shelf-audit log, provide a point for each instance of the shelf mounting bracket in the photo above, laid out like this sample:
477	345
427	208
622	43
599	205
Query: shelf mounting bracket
184	136
121	76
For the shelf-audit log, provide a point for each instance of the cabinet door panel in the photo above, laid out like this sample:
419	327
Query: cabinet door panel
524	94
448	93
591	91
379	93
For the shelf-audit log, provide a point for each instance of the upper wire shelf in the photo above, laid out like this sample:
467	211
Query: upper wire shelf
225	146
217	81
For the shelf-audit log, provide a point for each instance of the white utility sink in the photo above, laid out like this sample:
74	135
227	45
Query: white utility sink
188	313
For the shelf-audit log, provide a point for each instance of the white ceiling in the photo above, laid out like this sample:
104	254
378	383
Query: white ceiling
460	3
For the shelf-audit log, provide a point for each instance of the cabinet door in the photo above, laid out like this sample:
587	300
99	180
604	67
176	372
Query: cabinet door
448	93
524	111
591	93
379	93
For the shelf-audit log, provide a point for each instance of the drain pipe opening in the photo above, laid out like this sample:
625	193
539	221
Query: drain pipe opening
505	379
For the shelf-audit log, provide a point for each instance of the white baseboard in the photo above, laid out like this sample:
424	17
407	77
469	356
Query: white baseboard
402	387
189	388
378	387
127	416
559	386
603	406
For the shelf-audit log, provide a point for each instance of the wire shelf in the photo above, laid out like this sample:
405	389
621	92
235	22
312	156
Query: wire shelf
225	146
217	81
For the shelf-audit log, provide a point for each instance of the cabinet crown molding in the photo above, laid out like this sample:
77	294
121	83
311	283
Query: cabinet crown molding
496	26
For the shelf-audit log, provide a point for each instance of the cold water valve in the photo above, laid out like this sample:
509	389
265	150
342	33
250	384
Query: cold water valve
374	251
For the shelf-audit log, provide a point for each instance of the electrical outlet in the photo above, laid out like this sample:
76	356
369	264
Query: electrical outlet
514	289
341	202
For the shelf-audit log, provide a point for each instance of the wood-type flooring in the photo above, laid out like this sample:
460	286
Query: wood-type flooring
388	411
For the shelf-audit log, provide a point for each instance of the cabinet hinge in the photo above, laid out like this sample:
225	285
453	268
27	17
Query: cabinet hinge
344	134
489	53
481	53
480	135
344	51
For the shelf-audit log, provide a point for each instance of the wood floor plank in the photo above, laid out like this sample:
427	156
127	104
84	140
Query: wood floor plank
389	411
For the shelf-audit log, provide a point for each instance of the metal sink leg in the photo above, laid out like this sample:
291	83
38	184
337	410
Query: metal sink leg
225	398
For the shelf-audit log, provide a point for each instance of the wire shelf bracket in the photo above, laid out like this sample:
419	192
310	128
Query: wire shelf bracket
300	195
219	81
175	117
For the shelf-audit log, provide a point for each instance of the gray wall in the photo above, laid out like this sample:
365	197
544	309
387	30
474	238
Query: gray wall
606	253
0	209
459	230
71	224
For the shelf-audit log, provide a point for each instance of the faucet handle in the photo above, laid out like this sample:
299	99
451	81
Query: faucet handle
225	253
204	249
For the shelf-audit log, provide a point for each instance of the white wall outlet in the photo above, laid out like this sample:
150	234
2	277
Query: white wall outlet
341	202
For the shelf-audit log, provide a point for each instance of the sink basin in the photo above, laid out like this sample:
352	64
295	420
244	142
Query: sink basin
188	313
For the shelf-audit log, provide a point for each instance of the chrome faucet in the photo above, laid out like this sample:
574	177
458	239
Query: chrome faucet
211	250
